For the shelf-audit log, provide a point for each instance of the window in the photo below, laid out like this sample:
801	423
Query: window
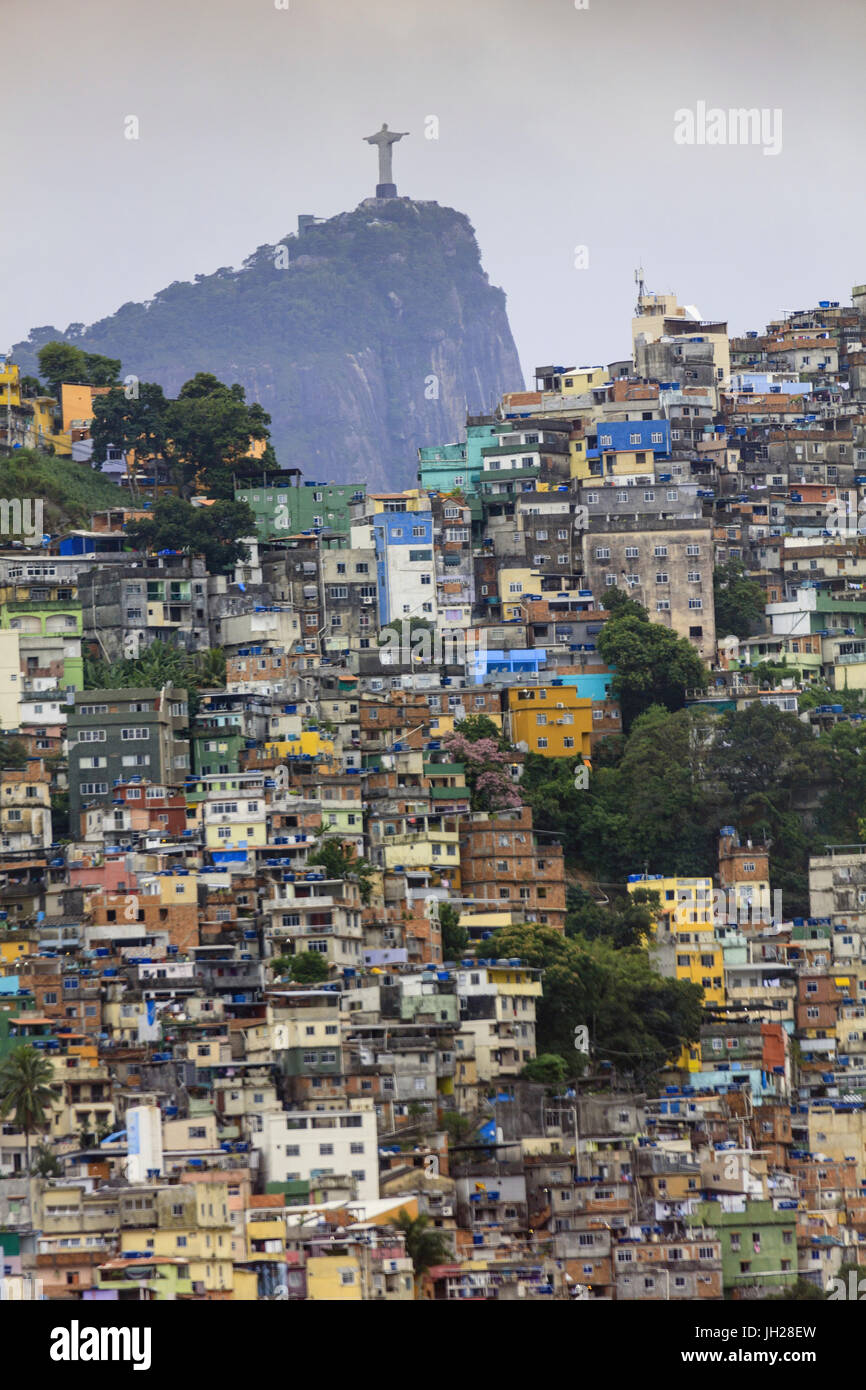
602	553
631	552
662	577
694	576
128	735
696	603
663	605
326	1150
660	552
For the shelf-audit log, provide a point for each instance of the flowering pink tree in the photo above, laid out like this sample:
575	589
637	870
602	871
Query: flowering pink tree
488	771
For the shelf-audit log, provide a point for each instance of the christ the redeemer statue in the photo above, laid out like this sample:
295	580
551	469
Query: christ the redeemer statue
385	138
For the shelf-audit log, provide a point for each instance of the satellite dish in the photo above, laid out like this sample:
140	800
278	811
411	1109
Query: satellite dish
522	747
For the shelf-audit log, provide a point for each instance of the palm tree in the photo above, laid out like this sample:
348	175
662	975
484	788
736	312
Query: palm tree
25	1087
210	669
425	1247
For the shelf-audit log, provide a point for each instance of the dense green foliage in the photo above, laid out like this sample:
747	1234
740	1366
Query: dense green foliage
739	601
213	532
637	1019
62	362
13	753
70	491
549	1068
204	437
159	665
455	939
308	968
657	799
652	665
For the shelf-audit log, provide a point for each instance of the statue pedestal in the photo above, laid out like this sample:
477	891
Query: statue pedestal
386	190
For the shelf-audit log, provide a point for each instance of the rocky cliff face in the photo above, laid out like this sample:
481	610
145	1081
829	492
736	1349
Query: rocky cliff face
364	337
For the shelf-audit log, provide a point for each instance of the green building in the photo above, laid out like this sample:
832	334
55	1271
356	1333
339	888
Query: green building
216	742
283	510
452	467
759	1242
122	736
47	628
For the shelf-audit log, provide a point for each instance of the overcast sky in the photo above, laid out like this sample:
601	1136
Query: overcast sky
556	130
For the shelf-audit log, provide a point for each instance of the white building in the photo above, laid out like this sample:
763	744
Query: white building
302	1145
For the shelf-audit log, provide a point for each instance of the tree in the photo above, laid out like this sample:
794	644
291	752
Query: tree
13	754
134	425
46	1163
458	1127
617	604
59	362
340	861
801	1291
425	1246
488	771
766	771
159	665
60	815
309	968
25	1090
62	362
627	921
548	1068
212	430
558	806
212	531
455	938
652	665
637	1019
480	726
739	601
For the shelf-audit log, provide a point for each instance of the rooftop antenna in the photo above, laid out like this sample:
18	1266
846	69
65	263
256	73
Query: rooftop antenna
641	289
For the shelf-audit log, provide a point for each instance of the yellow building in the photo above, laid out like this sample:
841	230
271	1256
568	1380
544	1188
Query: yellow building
193	1223
10	383
334	1278
13	950
515	585
266	1236
552	720
576	381
428	847
76	405
684	945
579	467
309	743
614	463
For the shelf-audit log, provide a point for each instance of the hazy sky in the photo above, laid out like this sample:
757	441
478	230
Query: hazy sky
556	130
